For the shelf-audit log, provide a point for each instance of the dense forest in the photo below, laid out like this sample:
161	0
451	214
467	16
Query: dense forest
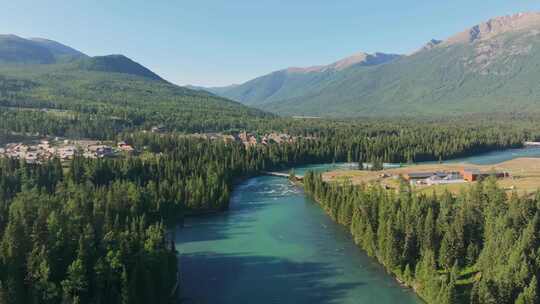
364	140
481	246
96	231
65	100
80	232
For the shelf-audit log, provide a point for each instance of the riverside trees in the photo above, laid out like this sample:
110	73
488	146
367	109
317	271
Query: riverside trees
478	247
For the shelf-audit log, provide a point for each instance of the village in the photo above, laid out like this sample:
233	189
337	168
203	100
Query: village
42	150
64	149
250	139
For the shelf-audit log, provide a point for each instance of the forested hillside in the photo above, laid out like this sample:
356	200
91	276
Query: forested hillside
116	64
49	88
90	102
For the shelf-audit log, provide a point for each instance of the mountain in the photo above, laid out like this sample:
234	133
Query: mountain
117	64
295	81
114	90
491	67
59	50
14	49
216	90
359	59
431	44
522	22
17	50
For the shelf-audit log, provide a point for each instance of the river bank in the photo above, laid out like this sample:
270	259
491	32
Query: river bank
360	213
275	245
397	276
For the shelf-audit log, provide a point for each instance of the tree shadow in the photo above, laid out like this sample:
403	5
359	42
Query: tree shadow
243	278
210	229
219	226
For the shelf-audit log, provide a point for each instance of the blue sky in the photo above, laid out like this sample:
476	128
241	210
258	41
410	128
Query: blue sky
219	42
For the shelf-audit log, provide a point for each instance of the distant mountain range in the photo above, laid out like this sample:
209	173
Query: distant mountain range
492	67
295	81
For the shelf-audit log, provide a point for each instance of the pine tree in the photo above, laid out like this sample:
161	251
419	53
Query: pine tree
126	296
451	289
3	294
76	283
428	235
472	254
475	296
529	294
407	275
368	242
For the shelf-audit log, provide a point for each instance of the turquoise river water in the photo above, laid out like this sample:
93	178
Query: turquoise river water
275	245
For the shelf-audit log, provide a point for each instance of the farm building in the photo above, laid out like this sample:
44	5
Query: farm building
434	178
472	175
450	178
418	175
424	175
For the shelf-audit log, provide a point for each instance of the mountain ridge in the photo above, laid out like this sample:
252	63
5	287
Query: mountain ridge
497	26
285	82
117	64
58	48
360	58
489	67
17	50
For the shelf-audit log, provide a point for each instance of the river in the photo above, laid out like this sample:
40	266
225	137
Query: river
275	245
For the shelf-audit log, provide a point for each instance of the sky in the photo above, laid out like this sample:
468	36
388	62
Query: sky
222	42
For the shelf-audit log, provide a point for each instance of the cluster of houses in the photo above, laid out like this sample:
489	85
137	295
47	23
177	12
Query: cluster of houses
63	149
250	139
32	154
452	177
246	138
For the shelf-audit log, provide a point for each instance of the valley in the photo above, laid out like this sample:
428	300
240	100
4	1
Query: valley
382	177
